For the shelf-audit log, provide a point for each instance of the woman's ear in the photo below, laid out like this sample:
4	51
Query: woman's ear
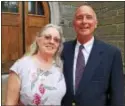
37	39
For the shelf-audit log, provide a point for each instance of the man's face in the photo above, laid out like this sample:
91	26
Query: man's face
84	21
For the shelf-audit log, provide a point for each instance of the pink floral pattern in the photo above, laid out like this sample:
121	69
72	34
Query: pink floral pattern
37	99
42	89
39	87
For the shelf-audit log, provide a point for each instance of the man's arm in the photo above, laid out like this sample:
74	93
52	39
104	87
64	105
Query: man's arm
117	81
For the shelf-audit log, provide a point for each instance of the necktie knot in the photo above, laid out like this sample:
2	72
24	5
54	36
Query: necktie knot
81	47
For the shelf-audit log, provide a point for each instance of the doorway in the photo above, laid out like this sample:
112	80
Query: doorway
20	23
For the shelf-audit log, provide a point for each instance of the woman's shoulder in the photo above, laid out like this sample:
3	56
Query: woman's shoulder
22	62
24	59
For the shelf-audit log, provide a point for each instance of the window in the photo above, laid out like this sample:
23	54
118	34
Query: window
35	8
9	6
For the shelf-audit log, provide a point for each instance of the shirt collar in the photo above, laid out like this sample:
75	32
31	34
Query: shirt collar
87	46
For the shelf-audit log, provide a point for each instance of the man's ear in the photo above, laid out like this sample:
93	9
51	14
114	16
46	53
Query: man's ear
96	24
73	22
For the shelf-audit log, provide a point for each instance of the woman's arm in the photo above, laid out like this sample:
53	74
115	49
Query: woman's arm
13	89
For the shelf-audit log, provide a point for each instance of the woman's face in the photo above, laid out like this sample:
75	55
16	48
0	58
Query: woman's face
49	42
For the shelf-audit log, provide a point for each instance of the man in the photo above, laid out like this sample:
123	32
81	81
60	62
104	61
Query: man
94	73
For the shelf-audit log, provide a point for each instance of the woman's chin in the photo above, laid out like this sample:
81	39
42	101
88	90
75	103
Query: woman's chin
50	53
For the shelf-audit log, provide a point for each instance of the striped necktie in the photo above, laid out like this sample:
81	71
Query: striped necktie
80	65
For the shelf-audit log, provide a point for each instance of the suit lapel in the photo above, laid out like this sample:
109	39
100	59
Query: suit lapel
93	62
69	64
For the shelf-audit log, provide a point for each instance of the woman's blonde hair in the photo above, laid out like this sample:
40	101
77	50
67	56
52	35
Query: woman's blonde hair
33	49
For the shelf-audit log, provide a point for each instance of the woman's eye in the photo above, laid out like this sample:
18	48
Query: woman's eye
57	40
47	37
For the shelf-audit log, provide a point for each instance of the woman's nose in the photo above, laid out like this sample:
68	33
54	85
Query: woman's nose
52	40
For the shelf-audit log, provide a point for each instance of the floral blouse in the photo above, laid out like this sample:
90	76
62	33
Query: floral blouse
39	87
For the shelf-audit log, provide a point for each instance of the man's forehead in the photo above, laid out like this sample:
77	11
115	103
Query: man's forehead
85	8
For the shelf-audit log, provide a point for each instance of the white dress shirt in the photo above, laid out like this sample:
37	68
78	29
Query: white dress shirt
86	51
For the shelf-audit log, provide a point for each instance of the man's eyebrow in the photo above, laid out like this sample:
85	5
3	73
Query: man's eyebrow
84	14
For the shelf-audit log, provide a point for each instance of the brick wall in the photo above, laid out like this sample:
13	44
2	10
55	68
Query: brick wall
110	21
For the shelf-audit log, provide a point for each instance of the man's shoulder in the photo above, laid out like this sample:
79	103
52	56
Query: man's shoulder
108	46
69	45
69	42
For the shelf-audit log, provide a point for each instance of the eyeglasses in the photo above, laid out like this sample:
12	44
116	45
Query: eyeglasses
55	39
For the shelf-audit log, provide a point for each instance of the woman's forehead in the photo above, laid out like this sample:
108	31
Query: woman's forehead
51	31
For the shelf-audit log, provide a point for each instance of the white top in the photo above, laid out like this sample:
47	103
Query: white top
39	87
86	52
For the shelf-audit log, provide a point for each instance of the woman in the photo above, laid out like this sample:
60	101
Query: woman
37	78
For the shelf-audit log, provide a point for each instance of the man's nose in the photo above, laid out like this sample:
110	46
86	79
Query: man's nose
84	20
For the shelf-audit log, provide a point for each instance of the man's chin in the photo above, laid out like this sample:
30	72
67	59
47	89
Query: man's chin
84	33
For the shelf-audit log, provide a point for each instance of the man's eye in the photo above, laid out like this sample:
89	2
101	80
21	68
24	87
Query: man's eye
79	17
89	17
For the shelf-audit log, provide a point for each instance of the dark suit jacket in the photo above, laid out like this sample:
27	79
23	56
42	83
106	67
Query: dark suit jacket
102	80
